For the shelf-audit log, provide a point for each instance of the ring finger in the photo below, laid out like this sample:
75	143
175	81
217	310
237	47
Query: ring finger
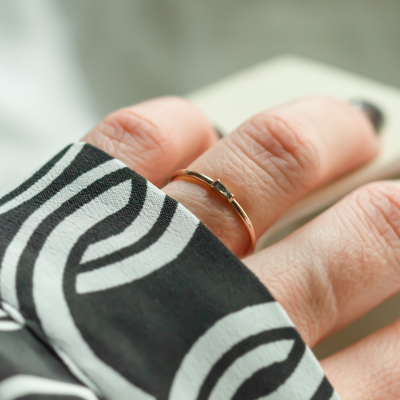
273	159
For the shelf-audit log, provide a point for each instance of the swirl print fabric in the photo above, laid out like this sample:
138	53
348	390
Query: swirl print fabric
112	290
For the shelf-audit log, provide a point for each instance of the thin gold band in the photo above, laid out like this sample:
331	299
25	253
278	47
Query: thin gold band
220	189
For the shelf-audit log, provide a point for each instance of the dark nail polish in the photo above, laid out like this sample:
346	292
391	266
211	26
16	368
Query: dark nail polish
218	132
373	113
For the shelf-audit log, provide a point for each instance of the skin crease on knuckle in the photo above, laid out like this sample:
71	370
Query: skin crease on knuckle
135	140
283	159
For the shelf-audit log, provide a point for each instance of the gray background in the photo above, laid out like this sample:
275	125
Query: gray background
131	50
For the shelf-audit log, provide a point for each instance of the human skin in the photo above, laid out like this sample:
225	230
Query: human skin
328	273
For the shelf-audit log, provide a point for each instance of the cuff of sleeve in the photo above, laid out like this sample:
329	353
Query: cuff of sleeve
137	296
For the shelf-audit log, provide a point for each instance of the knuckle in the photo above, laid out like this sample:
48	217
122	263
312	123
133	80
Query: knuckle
313	306
380	206
131	132
370	227
278	146
361	235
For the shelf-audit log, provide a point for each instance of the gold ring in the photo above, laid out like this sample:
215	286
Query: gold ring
220	189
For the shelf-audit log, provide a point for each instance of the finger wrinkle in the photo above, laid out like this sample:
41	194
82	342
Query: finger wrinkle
247	177
282	141
136	141
309	297
383	215
391	215
269	141
126	122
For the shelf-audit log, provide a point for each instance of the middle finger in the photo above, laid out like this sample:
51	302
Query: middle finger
273	159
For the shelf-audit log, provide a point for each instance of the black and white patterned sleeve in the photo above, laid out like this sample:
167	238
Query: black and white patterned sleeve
112	290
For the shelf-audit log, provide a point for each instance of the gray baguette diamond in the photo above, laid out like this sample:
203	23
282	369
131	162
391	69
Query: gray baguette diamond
222	189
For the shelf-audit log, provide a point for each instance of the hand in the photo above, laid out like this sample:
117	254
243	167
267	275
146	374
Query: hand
329	272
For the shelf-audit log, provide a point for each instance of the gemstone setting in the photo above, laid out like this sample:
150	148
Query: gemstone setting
217	185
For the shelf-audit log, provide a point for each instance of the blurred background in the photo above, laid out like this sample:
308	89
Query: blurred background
129	50
65	64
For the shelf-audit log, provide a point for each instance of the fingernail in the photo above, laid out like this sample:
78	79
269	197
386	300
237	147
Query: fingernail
373	113
218	132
